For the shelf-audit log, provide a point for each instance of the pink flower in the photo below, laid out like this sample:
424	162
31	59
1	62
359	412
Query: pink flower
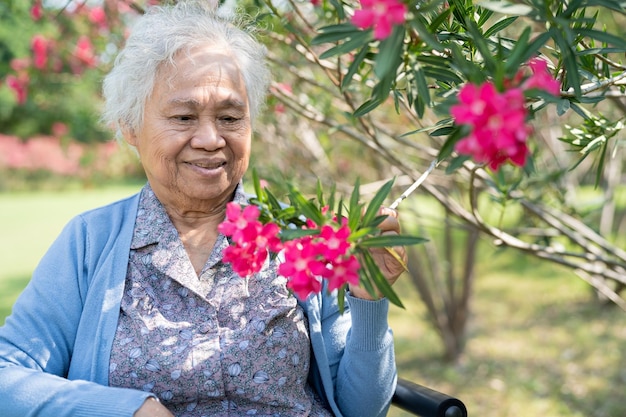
20	64
344	270
498	124
334	243
251	240
39	45
59	129
36	11
84	51
381	15
541	78
302	268
98	16
19	86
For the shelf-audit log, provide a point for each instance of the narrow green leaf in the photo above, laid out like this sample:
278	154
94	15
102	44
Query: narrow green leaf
376	202
272	200
500	25
379	279
419	24
354	211
388	241
361	233
569	61
562	106
331	197
260	195
354	66
308	209
368	106
341	298
291	234
448	146
423	91
390	55
359	39
609	38
320	193
519	53
456	163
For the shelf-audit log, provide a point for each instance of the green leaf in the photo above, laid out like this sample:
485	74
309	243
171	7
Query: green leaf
354	66
609	38
423	91
483	48
335	33
308	209
359	39
341	298
379	279
354	211
388	241
320	192
376	202
448	146
499	25
456	163
419	24
569	61
368	106
562	106
390	55
291	234
521	55
260	195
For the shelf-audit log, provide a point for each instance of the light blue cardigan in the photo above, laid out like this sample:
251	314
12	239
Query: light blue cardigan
55	347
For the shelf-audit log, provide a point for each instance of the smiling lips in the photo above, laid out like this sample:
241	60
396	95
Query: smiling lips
207	164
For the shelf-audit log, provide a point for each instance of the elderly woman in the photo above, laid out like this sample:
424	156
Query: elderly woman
132	313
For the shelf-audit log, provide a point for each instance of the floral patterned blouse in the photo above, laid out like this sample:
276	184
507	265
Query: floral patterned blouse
208	345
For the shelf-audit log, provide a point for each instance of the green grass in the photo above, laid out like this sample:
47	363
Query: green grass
30	221
539	343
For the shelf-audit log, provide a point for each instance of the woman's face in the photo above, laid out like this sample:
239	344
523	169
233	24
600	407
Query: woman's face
195	140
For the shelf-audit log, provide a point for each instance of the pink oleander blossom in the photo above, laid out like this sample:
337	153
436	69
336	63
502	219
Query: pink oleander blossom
84	52
302	268
541	78
344	270
39	46
382	15
36	11
307	260
498	120
97	16
251	240
19	86
498	124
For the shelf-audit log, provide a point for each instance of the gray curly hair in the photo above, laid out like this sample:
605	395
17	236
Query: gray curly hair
161	33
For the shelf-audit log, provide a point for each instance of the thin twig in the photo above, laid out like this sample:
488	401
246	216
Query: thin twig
414	186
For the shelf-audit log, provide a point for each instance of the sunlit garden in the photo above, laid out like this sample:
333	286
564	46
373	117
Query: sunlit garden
500	124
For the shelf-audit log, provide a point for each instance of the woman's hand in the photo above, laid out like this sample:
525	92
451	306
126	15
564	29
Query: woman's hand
153	408
389	265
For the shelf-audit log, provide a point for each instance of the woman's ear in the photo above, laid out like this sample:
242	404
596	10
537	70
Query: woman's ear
129	135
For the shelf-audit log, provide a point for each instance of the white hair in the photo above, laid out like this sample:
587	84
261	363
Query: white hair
158	36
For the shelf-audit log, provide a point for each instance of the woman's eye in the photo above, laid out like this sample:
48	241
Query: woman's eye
183	118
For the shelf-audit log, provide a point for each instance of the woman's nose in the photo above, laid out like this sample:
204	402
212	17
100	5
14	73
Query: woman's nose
207	136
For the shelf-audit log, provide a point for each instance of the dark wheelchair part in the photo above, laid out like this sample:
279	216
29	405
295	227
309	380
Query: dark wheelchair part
426	402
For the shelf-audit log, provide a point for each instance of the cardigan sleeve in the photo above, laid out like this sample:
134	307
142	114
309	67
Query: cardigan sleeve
38	338
360	351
